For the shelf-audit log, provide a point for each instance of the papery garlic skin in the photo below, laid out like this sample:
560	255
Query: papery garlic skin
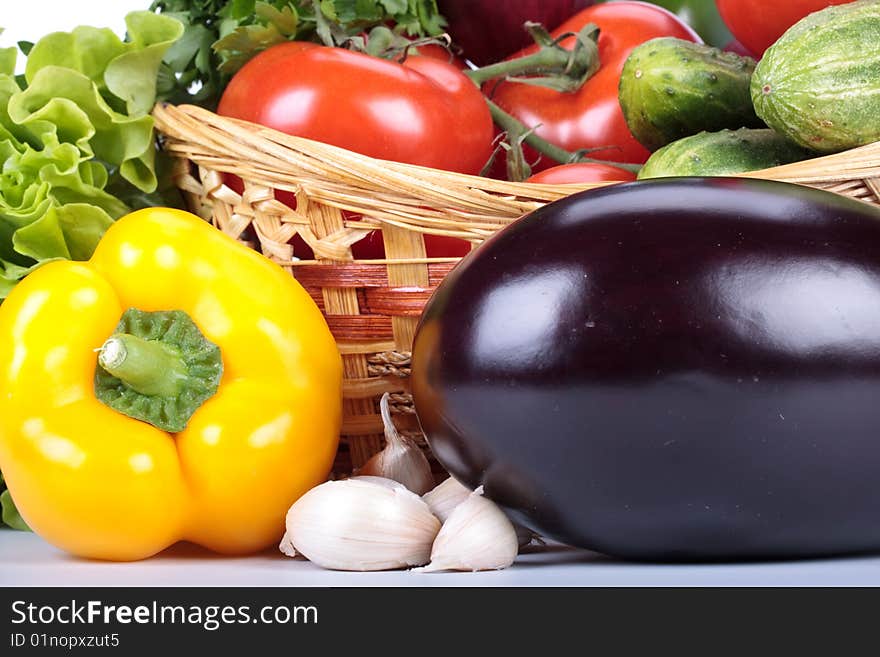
444	497
476	536
525	536
362	525
286	547
401	459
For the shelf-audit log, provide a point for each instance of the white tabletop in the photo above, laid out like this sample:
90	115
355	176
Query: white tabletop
26	560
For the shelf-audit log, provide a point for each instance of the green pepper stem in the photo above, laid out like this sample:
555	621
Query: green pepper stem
148	367
158	367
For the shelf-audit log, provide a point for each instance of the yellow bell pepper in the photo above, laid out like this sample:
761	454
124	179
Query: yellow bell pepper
100	483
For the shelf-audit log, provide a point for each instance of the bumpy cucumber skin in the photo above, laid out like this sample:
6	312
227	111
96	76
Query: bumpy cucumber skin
819	85
723	153
672	88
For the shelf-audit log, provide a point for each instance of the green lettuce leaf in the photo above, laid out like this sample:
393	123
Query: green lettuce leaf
132	75
87	50
82	225
8	513
111	83
77	144
8	57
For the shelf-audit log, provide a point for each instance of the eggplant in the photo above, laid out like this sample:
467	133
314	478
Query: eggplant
666	370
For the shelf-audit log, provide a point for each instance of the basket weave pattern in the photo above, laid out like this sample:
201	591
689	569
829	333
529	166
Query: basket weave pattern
372	306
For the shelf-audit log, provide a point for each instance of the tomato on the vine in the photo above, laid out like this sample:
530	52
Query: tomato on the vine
582	172
423	111
591	118
757	24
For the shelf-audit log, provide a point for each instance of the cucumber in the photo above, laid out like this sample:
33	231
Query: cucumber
819	84
723	153
671	88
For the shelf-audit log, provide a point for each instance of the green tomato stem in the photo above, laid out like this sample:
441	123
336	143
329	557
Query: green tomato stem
516	129
566	71
148	367
546	60
563	69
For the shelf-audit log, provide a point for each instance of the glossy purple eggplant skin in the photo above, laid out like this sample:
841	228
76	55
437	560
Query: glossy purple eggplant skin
675	369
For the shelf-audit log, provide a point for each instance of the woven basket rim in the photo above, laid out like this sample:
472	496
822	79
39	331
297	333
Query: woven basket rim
862	161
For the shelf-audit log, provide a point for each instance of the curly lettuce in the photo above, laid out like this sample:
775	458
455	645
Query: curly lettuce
9	515
77	144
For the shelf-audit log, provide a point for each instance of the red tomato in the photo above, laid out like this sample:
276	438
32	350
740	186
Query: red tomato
423	112
591	117
757	24
582	172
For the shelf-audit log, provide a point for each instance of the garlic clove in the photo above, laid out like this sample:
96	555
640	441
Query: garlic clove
447	495
361	525
444	497
286	547
476	536
401	459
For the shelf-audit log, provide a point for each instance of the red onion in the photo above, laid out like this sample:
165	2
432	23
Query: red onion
490	30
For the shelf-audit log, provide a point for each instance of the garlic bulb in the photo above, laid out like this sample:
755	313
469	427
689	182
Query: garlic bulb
357	524
444	497
401	460
382	481
476	536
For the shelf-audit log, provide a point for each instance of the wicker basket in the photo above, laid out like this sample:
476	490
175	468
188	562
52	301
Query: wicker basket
373	306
